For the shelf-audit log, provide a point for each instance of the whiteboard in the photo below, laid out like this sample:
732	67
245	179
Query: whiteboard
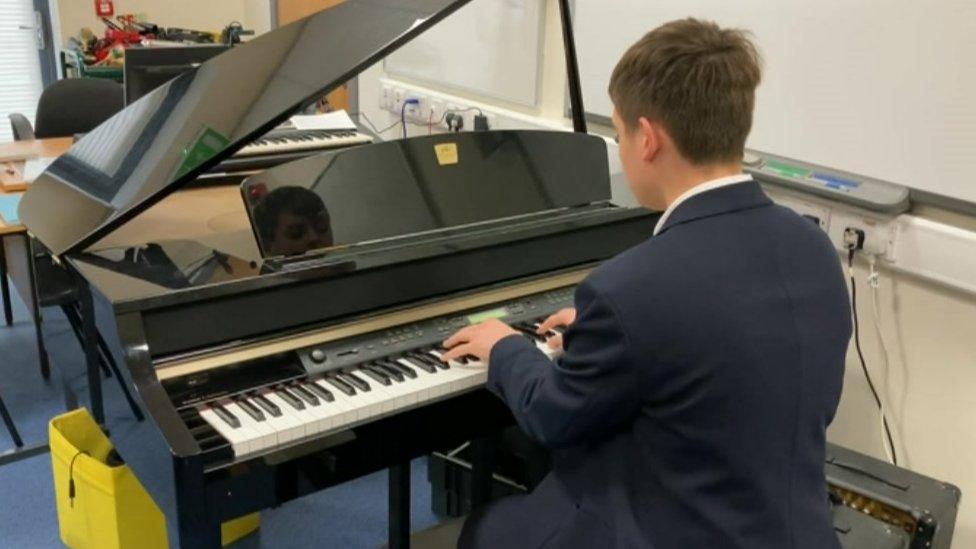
489	47
884	88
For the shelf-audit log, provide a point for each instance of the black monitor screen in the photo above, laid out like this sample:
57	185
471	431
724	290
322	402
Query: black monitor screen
149	68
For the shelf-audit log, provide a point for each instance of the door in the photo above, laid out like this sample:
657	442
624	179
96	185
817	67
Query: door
291	10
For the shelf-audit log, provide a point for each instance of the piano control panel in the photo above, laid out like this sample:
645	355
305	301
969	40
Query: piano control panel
433	331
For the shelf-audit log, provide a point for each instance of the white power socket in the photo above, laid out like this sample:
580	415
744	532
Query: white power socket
386	98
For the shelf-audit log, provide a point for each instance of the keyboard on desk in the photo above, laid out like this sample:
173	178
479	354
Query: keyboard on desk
303	140
323	389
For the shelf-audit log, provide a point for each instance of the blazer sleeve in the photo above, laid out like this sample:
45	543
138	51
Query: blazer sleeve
586	393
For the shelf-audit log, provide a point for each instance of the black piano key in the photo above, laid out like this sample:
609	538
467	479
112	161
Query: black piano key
377	376
397	375
251	409
269	407
529	331
429	368
406	370
355	381
304	394
322	392
430	359
290	398
341	385
224	414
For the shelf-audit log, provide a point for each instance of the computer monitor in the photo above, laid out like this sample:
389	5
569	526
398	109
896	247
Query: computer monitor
148	68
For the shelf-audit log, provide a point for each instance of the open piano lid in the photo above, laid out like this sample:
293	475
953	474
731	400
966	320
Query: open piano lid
164	140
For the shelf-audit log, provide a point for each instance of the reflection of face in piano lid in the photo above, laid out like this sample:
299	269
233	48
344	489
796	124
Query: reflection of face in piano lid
293	220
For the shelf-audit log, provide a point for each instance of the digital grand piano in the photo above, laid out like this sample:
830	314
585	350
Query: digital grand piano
312	356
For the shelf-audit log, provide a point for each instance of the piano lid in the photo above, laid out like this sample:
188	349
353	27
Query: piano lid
404	188
159	143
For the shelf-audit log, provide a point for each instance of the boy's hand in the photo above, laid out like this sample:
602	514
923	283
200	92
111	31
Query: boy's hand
477	340
562	318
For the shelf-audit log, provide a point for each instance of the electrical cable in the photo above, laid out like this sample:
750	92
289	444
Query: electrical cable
458	111
864	366
874	282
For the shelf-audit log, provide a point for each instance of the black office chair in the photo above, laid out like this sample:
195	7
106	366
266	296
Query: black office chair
57	288
70	106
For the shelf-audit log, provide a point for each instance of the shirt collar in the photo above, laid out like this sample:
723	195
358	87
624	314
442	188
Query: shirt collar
699	189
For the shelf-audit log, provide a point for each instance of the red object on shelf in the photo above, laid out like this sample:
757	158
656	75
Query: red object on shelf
104	8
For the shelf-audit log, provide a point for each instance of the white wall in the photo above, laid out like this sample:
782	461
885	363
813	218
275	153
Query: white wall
931	332
211	15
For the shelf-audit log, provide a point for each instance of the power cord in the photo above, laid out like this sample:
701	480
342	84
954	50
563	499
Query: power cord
403	113
373	126
890	447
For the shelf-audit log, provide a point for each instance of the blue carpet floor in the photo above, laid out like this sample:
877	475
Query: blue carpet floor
352	515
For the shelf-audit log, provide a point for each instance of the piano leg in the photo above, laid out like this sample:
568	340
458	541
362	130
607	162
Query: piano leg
197	528
399	526
90	345
483	452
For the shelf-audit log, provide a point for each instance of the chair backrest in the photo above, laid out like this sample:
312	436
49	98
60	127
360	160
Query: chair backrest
76	105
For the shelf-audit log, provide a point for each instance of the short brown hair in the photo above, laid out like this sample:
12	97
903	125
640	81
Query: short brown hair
696	79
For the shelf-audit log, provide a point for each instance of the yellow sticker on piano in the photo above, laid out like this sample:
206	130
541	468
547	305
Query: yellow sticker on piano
447	154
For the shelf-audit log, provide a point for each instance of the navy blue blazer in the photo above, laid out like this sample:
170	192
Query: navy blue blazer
690	407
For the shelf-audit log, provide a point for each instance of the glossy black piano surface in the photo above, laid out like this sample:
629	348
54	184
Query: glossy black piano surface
420	185
190	124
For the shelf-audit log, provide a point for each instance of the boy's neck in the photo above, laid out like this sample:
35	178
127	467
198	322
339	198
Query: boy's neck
690	176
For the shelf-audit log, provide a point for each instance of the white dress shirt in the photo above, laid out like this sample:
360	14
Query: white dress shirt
699	189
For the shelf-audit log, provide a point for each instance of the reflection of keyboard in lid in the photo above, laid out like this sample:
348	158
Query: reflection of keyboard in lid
303	140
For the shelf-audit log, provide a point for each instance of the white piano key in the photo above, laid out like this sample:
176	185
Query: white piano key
287	426
237	437
260	435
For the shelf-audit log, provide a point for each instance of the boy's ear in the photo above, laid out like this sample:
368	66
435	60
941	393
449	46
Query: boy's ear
650	138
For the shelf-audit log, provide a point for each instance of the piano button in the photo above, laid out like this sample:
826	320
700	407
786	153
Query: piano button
249	409
223	414
269	407
379	377
429	368
355	381
397	375
320	391
341	385
289	397
304	394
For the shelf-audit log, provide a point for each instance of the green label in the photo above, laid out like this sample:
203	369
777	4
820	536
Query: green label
207	145
786	170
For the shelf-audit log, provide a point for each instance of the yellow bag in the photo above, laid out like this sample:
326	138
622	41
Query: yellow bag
106	507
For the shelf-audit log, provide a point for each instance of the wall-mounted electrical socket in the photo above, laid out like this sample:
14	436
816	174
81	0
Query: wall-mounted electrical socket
386	97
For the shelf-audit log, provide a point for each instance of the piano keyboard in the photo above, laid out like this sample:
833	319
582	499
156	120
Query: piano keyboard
302	140
263	419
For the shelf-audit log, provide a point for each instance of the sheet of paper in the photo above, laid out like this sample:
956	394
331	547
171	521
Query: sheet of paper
35	167
338	120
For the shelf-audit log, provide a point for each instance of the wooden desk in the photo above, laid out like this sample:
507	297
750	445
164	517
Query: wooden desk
14	246
21	150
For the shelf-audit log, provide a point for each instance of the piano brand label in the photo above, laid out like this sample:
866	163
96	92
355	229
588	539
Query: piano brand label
447	154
